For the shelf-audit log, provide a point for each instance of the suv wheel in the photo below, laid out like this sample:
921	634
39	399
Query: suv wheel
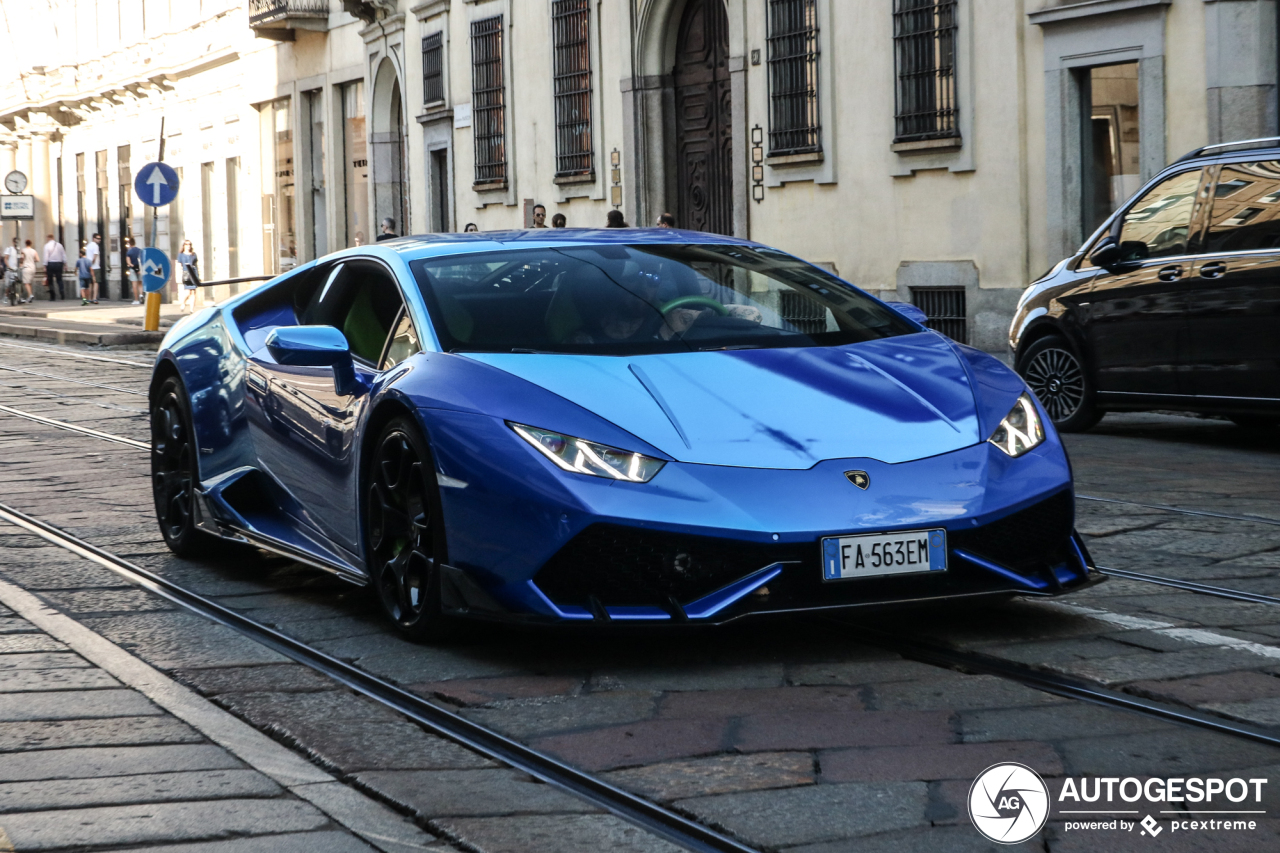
1056	375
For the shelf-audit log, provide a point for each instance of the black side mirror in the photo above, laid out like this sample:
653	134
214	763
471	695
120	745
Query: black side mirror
1113	256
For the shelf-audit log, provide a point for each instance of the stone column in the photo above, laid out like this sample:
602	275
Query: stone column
41	186
1240	68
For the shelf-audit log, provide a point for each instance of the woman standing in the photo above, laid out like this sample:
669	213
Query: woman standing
190	275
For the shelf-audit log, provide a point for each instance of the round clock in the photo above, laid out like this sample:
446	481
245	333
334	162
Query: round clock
15	181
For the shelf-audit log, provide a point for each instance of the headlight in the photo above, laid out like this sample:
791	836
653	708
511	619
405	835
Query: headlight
586	457
1021	429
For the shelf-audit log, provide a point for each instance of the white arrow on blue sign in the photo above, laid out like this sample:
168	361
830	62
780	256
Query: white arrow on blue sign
155	269
156	184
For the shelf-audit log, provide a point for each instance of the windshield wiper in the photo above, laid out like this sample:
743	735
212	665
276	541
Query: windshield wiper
728	346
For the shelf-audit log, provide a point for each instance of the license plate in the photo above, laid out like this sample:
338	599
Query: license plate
878	554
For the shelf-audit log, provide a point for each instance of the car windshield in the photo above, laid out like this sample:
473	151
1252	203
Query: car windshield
639	299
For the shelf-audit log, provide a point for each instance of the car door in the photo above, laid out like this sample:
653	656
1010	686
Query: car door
1234	308
316	424
1136	326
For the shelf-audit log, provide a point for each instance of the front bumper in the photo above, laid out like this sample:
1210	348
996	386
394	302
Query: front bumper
704	543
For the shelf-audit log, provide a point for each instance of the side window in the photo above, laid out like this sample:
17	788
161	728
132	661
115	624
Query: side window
1161	219
362	301
404	342
1246	208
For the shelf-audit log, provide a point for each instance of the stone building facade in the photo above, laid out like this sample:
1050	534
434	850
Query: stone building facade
938	151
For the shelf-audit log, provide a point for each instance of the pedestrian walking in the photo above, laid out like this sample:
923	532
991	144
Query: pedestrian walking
190	266
558	221
55	258
666	220
12	271
614	220
133	259
94	253
388	230
29	261
84	277
539	216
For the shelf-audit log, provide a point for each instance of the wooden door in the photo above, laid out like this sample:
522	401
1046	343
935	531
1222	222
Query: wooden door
704	143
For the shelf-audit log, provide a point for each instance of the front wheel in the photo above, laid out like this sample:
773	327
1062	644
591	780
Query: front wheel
404	532
173	468
1054	372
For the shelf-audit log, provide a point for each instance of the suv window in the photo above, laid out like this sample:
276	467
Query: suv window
1161	219
1246	208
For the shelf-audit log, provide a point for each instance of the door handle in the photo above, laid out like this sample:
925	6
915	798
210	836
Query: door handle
1214	270
1172	273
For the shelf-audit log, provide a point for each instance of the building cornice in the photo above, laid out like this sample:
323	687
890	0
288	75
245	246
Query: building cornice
1090	9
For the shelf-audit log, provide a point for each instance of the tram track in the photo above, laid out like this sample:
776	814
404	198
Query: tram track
663	822
653	818
80	355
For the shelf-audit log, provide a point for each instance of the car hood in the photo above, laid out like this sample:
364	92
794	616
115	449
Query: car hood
893	400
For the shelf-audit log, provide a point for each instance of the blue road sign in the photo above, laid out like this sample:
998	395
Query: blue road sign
155	270
156	184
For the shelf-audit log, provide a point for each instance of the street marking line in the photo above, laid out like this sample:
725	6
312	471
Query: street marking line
105	436
76	381
370	820
1196	636
77	355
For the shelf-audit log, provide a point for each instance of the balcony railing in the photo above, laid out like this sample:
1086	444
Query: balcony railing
280	13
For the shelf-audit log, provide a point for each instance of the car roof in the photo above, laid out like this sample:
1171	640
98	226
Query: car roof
432	245
1267	148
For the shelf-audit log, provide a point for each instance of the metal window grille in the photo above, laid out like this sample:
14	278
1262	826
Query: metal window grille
807	315
945	308
924	38
794	126
433	68
488	100
571	49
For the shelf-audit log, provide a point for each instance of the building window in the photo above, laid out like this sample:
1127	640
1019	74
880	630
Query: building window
794	127
433	68
279	246
488	101
355	169
945	308
924	37
570	27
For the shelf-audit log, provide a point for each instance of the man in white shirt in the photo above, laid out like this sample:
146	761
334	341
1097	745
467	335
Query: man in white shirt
55	258
94	253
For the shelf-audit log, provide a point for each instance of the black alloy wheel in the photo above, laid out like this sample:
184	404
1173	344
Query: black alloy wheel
1054	372
173	467
404	532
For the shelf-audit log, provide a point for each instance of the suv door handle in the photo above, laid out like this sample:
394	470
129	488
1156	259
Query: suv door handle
1214	270
1172	273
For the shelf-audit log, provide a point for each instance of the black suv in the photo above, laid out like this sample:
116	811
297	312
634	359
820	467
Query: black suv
1174	303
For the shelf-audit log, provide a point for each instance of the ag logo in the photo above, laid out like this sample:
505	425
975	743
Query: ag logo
859	479
1008	803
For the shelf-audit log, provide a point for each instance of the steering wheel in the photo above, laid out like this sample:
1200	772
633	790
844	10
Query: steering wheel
703	301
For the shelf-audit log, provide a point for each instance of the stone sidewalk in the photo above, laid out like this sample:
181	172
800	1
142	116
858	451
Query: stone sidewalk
89	762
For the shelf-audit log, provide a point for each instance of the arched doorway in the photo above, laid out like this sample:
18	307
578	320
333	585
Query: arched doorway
390	194
703	119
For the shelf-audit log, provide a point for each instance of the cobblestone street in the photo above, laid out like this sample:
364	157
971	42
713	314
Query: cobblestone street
128	722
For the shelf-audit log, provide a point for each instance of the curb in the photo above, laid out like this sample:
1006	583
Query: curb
64	336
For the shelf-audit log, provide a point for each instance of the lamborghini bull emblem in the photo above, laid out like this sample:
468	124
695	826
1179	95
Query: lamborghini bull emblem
859	479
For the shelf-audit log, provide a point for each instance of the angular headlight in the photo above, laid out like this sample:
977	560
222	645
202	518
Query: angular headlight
1021	429
586	457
